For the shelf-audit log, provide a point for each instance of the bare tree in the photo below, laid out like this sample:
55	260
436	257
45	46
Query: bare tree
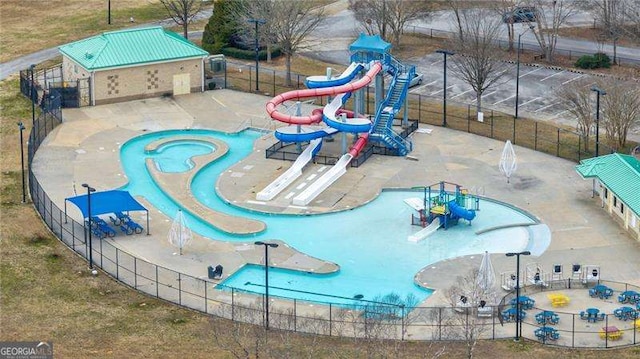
256	10
292	22
550	16
610	15
241	340
632	18
376	16
478	56
620	110
182	12
576	99
465	325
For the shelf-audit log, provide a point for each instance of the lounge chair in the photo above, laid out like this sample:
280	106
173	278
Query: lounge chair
130	227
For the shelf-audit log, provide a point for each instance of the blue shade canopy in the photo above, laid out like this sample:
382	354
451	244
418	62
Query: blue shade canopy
106	202
370	43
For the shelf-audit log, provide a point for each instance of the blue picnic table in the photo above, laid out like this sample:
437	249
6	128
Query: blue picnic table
525	302
629	296
592	315
601	291
509	315
547	317
626	313
547	333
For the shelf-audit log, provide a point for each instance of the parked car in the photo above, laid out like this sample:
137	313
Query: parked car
416	80
521	14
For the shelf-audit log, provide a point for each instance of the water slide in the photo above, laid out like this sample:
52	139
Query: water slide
424	232
329	114
461	212
291	174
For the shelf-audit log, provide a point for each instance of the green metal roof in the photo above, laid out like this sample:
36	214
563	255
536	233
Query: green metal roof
131	47
620	173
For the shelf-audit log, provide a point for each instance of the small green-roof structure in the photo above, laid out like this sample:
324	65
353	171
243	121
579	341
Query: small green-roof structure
130	47
619	173
131	64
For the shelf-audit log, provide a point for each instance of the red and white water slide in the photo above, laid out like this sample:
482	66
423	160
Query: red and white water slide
339	168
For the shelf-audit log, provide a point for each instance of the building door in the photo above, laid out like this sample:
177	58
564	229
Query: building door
181	84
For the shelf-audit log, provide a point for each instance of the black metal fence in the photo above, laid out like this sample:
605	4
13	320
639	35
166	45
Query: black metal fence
49	82
362	319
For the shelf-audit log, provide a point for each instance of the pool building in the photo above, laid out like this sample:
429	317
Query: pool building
617	183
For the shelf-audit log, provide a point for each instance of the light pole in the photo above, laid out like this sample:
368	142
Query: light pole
518	322
24	193
518	69
257	22
33	101
599	92
89	191
266	278
444	92
109	12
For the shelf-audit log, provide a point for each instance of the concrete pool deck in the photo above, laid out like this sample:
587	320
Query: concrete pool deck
85	149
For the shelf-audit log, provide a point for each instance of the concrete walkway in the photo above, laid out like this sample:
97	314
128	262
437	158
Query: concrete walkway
85	148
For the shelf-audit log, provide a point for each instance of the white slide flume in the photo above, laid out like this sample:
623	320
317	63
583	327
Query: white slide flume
324	181
424	232
295	171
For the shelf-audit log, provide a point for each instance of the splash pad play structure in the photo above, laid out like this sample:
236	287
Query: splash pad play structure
370	54
440	208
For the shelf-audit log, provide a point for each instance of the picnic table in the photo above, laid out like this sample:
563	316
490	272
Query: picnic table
525	302
547	333
601	291
611	332
629	296
509	315
592	315
558	299
626	313
547	317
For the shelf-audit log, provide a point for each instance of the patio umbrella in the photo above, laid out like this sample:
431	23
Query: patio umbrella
486	278
180	234
508	161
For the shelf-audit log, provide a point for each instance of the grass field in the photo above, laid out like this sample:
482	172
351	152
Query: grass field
47	293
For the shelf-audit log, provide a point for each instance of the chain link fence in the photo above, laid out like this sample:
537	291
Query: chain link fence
360	319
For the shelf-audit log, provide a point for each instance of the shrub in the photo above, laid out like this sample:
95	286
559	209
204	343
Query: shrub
250	54
598	60
602	60
586	62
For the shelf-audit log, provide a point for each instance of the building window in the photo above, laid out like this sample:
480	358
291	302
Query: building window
622	207
615	201
75	68
153	81
606	193
113	85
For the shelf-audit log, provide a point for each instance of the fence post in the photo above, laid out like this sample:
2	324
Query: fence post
558	143
117	265
179	288
535	136
101	254
250	86
135	272
330	319
402	323
579	145
274	83
232	303
295	315
157	284
206	301
514	130
573	328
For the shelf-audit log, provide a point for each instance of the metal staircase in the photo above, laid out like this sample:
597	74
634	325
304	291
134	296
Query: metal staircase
382	130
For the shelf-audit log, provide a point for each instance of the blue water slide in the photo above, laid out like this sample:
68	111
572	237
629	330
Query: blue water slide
352	125
461	212
297	133
313	82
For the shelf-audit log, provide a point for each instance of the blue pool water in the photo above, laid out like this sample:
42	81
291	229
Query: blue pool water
369	243
176	156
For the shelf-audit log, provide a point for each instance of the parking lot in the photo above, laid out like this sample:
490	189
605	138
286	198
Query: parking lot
537	95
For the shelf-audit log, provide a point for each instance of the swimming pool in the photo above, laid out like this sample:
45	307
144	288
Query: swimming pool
369	243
